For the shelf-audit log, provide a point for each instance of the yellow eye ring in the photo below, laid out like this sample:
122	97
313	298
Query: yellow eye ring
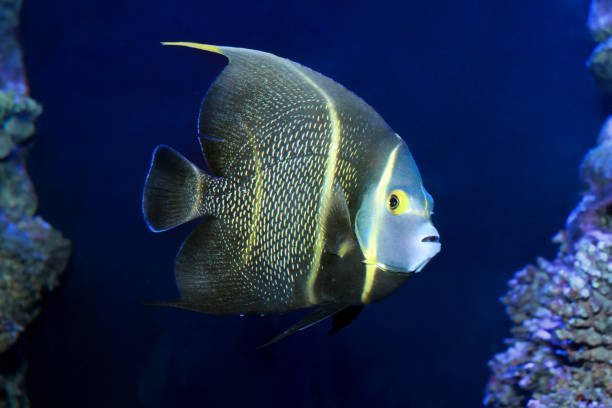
397	202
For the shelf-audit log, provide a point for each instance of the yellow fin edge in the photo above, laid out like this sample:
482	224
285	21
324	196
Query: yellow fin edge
203	47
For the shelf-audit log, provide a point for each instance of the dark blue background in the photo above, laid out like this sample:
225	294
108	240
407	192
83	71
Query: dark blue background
493	98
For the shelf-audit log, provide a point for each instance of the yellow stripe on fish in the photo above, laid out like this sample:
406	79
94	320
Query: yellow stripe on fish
328	182
372	248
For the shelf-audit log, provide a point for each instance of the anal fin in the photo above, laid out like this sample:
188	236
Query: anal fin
208	276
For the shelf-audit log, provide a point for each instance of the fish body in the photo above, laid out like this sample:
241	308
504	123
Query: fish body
312	200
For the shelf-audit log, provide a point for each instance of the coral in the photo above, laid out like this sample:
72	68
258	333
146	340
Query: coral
600	65
600	24
12	390
17	115
600	19
12	77
32	253
561	353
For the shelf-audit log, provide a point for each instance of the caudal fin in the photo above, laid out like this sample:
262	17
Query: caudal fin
174	190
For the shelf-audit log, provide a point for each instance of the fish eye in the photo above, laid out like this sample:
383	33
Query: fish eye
397	202
393	202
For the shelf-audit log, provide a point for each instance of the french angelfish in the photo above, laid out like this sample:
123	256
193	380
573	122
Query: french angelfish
311	200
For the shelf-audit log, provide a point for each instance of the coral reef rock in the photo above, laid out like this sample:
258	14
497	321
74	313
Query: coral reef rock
17	115
12	390
32	253
12	76
600	24
561	351
600	64
600	19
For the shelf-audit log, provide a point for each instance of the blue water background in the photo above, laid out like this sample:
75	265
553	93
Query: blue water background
493	99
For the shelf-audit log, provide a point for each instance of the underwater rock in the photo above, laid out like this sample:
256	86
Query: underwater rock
12	77
17	115
17	196
600	25
12	390
561	352
600	64
600	19
32	253
597	166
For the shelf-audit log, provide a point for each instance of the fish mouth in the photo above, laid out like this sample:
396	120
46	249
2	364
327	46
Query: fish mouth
397	269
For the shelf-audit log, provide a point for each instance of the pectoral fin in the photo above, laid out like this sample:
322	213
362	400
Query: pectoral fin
339	237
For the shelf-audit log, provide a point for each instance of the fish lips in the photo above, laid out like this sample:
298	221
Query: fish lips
398	269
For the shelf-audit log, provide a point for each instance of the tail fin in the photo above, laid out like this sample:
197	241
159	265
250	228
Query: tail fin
174	190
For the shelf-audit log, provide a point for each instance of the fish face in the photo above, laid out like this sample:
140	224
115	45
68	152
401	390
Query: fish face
393	224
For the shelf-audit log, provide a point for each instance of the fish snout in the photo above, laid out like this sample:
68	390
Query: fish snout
425	246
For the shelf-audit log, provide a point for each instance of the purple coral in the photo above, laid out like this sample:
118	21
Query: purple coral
600	19
32	254
561	353
600	25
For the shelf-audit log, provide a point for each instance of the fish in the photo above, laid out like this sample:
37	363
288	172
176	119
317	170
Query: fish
309	199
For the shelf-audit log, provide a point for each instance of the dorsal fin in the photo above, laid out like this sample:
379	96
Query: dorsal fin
271	108
203	47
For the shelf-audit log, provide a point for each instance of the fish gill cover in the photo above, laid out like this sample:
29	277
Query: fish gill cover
32	253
